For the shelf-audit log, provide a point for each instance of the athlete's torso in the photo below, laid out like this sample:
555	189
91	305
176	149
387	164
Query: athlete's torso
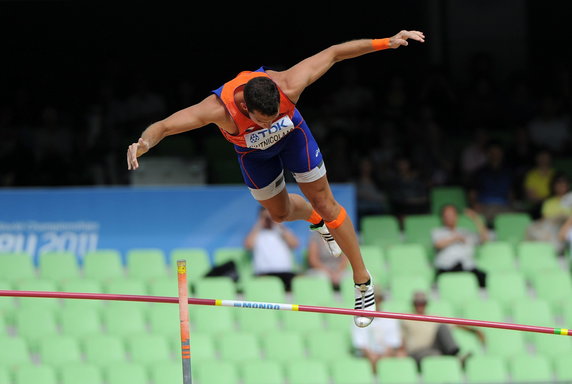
247	133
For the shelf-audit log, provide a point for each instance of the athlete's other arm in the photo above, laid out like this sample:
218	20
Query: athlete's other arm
196	116
294	80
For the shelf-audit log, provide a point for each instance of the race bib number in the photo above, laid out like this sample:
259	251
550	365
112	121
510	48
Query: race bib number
267	137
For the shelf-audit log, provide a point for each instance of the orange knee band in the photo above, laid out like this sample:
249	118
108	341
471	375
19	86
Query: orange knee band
314	218
338	220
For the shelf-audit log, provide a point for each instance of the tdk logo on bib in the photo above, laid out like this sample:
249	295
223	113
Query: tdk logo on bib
265	138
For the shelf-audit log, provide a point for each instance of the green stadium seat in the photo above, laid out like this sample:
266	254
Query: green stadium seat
239	347
58	266
102	350
127	286
146	264
38	285
308	371
264	288
502	343
103	265
58	351
397	371
78	321
380	230
352	371
166	286
374	259
5	376
403	287
554	287
3	326
83	285
164	320
239	255
222	288
486	370
327	346
90	374
129	373
283	347
497	256
506	288
8	305
484	309
552	346
213	320
530	369
34	374
258	321
16	266
166	372
123	321
567	313
417	229
14	352
442	307
203	347
217	372
533	312
34	323
312	290
511	227
458	288
396	306
303	321
441	196
262	372
148	348
468	342
441	369
409	259
562	367
536	258
198	262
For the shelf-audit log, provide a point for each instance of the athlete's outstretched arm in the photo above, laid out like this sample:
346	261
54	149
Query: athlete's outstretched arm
193	117
295	79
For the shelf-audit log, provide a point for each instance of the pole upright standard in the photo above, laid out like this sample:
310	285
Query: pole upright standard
184	321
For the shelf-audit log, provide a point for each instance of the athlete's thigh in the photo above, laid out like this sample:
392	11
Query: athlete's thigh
262	172
301	155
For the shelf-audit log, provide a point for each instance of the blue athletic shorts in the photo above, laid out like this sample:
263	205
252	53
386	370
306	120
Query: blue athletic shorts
297	152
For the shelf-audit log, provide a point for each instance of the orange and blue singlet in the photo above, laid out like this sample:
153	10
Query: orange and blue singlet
263	153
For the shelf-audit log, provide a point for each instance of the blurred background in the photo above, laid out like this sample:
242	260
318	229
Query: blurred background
478	117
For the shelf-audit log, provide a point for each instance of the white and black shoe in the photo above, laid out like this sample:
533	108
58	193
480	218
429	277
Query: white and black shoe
364	300
327	237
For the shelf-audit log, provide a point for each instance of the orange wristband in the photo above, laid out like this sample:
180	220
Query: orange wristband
379	44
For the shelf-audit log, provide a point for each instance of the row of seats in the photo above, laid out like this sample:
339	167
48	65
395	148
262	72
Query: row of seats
520	368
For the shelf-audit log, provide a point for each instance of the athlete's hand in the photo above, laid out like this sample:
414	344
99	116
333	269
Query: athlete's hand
134	151
401	38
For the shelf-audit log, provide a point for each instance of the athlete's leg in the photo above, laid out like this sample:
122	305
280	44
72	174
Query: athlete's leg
322	200
287	207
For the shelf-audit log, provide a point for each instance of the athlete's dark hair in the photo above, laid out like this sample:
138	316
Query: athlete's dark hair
262	95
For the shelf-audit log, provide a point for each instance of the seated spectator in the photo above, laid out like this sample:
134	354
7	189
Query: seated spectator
422	339
381	339
555	210
491	190
322	262
272	245
537	182
370	199
456	246
565	233
409	192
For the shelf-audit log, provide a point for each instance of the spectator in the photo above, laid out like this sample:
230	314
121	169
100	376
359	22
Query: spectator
370	199
322	262
409	192
491	191
565	233
456	246
554	212
422	339
380	340
537	182
272	245
474	155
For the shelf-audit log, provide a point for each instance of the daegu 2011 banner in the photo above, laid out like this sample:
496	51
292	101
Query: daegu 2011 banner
80	220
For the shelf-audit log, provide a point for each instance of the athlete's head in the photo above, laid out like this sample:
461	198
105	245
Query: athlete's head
262	100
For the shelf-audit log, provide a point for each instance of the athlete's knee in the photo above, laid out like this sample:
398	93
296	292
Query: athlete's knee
279	216
328	208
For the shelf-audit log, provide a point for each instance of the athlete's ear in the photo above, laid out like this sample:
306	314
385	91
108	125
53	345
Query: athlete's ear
243	106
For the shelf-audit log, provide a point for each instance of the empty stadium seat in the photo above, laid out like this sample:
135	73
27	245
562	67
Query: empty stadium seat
262	372
307	371
530	369
486	369
506	287
146	264
103	265
380	230
198	261
312	290
58	266
89	373
441	369
16	266
397	371
239	347
511	227
458	288
283	346
59	351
